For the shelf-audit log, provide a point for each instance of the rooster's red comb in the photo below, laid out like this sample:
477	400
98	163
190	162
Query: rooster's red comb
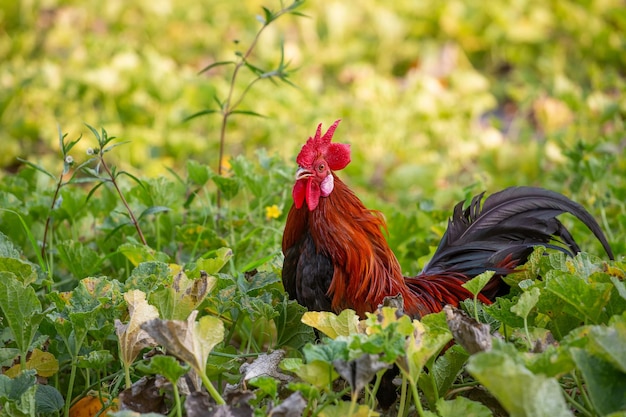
337	155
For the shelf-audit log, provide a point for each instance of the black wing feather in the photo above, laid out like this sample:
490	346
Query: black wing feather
507	226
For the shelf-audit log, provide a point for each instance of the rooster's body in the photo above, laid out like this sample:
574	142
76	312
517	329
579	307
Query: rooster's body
337	257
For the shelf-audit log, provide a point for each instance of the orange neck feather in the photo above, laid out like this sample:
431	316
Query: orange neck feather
365	268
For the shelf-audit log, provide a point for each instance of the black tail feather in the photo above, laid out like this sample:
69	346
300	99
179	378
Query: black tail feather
507	227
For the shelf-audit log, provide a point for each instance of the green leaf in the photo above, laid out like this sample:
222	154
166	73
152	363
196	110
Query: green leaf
38	168
609	342
21	309
13	389
329	351
48	399
228	186
22	270
520	392
605	384
501	311
526	302
95	359
318	373
198	173
7	248
164	365
268	385
476	284
80	259
290	330
153	210
214	264
216	64
200	113
444	371
461	406
137	253
583	300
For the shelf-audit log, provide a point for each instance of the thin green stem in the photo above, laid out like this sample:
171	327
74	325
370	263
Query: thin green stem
212	391
416	398
49	218
354	397
123	199
402	407
179	409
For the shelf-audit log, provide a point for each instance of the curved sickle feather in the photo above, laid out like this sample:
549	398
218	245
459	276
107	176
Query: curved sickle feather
510	223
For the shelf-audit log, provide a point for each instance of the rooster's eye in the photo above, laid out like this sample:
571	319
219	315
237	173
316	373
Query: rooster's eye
321	167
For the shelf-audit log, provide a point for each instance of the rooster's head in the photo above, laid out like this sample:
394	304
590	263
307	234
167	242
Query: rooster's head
316	162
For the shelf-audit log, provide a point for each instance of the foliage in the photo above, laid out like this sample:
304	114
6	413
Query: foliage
121	281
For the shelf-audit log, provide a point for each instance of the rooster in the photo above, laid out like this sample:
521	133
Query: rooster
337	257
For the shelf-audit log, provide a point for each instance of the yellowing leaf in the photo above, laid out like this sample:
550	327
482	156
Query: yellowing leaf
318	373
343	409
189	293
44	363
189	341
345	324
131	336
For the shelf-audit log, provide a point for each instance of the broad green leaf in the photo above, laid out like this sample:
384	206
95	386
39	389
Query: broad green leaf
26	406
444	372
13	389
198	173
148	276
476	284
48	399
318	373
501	310
228	186
21	309
521	393
132	338
80	259
168	366
266	384
555	361
343	409
526	302
609	342
345	324
214	264
326	352
461	406
7	248
583	300
605	384
95	359
290	330
23	270
137	254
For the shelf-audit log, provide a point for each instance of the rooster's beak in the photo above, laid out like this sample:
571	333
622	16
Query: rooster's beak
302	173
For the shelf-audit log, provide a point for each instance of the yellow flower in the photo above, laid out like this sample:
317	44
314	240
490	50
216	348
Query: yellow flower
272	212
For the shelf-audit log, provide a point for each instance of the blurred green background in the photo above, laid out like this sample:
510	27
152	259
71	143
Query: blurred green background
438	99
